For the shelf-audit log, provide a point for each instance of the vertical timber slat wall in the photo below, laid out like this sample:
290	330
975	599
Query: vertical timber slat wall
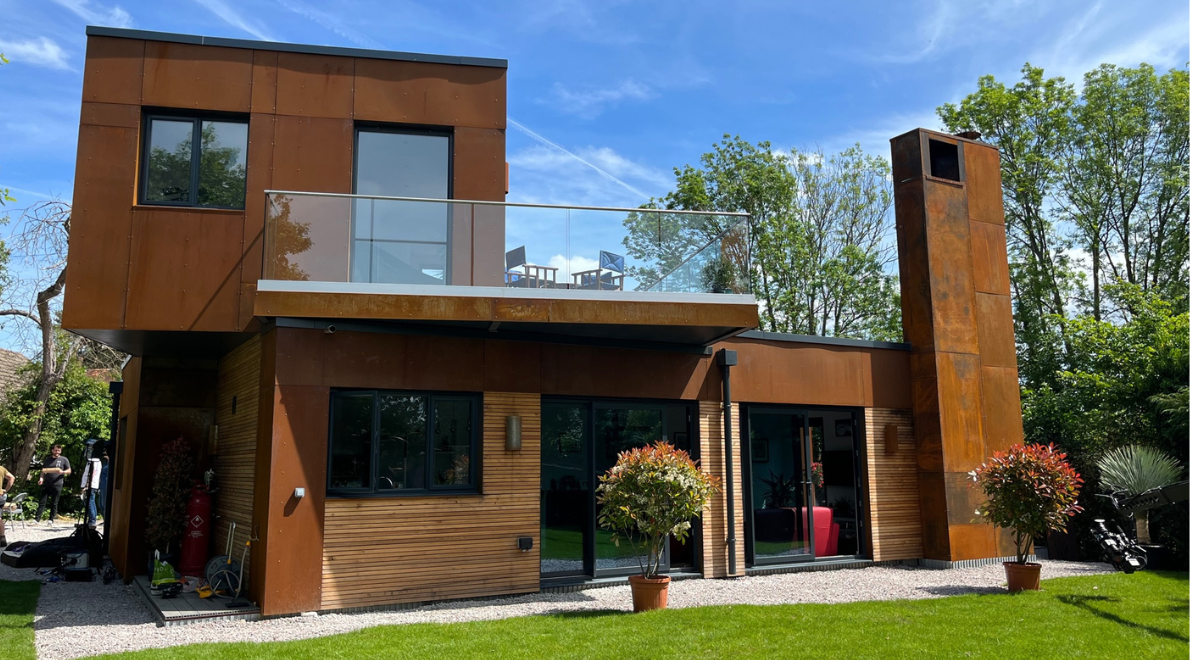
236	414
894	505
442	547
714	519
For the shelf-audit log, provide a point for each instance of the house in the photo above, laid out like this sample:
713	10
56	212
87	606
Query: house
408	388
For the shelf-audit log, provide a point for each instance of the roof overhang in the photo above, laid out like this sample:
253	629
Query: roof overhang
641	318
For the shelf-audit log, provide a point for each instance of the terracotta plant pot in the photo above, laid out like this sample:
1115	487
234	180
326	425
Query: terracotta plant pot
649	594
1023	576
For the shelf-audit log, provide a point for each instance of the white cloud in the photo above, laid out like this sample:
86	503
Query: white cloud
548	156
96	14
929	38
575	264
1093	40
41	52
233	18
590	103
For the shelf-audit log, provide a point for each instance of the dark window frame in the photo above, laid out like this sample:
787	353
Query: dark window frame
196	119
430	490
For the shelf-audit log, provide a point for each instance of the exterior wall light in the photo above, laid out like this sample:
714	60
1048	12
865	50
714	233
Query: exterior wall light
512	433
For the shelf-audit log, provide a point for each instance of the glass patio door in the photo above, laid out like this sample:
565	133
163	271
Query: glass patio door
782	508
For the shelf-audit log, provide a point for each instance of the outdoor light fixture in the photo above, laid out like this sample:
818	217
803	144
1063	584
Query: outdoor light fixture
299	493
525	543
512	433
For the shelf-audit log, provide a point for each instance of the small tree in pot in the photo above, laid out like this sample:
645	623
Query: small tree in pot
1030	489
651	493
167	502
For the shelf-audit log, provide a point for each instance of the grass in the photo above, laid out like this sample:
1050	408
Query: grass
18	601
1119	617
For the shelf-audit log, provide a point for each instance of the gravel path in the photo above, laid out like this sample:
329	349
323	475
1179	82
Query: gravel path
80	619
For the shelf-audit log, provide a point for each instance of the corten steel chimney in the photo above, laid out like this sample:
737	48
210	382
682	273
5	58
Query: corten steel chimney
957	312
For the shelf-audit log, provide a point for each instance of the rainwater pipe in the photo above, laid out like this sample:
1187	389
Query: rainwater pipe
728	359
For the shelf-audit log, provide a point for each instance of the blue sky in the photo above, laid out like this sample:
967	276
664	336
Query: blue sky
606	97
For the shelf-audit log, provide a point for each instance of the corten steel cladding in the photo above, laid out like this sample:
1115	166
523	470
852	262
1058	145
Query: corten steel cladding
649	594
1023	577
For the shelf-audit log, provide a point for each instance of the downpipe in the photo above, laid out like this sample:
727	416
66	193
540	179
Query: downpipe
728	359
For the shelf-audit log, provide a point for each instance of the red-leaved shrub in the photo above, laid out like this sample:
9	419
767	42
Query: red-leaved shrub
1030	489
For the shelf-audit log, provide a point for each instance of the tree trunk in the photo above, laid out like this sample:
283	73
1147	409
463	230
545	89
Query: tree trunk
25	452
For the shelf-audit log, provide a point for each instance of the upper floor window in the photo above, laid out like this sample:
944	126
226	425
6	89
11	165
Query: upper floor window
194	161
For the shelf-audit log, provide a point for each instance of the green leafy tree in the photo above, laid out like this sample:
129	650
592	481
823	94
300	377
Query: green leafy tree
819	240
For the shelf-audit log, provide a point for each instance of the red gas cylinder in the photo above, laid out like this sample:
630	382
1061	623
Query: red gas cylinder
195	539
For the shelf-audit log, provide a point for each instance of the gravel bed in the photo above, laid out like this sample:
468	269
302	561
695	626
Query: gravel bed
80	619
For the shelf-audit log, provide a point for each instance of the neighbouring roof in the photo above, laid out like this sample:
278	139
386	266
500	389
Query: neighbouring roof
121	33
10	363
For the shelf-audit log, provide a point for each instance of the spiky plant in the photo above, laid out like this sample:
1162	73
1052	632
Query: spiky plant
1132	470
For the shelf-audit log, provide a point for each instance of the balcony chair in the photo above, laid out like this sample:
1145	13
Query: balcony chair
13	509
609	276
531	276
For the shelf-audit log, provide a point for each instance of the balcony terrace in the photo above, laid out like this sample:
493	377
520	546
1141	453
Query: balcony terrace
520	270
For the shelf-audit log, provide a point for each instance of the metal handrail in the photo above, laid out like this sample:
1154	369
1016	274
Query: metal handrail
517	204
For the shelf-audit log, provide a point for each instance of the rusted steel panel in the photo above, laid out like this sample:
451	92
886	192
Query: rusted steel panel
298	451
935	530
770	372
315	85
97	270
191	76
479	164
890	379
261	131
185	269
313	154
113	70
959	399
997	345
511	366
1002	424
430	94
985	200
589	371
916	316
989	257
264	81
261	493
972	541
110	114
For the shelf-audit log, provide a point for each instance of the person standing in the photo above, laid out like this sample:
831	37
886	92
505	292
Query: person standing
54	471
6	481
90	484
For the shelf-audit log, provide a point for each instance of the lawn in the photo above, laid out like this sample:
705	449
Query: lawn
18	601
1119	617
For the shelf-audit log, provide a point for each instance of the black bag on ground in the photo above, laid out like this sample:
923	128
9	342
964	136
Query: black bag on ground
49	554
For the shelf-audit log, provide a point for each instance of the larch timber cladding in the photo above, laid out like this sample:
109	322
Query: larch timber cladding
894	501
714	519
235	457
384	551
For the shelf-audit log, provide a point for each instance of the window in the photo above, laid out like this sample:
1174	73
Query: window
194	161
394	443
400	241
944	160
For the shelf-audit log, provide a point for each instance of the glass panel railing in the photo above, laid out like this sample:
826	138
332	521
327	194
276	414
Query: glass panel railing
354	238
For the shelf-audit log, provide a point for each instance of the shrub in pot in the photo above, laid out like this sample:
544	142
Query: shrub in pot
166	518
1030	490
650	493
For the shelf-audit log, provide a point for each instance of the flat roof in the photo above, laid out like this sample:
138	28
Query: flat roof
147	35
818	339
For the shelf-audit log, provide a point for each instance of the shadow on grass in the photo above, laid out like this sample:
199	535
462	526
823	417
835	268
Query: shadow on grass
1087	603
962	590
586	614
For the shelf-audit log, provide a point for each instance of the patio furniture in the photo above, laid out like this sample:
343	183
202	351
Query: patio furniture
609	276
531	276
13	509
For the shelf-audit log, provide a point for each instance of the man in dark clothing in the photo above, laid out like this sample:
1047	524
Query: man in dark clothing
53	475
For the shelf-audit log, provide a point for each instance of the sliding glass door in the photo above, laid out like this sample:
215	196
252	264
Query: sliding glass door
581	441
802	481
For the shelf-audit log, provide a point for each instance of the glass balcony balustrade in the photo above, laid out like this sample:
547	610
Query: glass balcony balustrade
323	237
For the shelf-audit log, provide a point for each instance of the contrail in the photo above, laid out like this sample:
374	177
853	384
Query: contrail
553	145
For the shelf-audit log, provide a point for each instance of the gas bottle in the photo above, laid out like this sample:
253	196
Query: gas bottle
196	538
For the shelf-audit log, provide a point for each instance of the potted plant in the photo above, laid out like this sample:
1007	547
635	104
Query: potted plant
166	518
650	493
1030	489
1130	471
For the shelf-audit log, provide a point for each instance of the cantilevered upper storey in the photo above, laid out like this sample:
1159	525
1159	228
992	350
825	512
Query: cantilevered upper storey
224	183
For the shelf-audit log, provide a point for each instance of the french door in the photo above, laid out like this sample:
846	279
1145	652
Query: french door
580	440
802	484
